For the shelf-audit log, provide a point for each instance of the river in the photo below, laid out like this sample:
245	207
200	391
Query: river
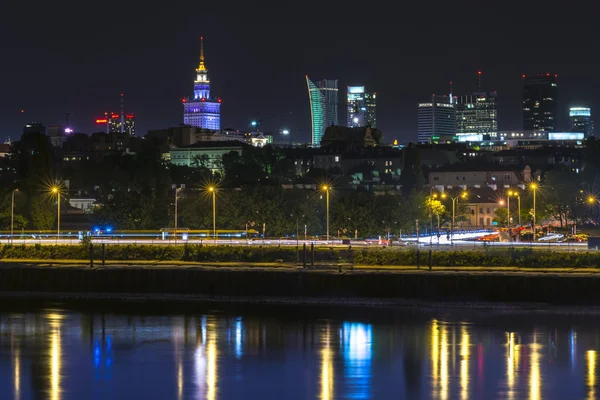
65	351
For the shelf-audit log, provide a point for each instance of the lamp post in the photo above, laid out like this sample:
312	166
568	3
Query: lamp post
518	196
326	189
431	197
57	192
12	215
592	201
534	188
463	195
214	201
176	198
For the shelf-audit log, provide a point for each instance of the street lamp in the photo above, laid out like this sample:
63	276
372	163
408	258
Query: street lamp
533	187
518	196
463	195
176	198
12	215
432	196
592	201
56	190
213	190
326	189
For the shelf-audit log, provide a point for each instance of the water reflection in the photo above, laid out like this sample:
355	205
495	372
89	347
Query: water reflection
326	366
57	355
591	373
535	380
357	351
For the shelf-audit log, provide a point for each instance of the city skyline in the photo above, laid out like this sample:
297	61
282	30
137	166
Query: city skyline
154	69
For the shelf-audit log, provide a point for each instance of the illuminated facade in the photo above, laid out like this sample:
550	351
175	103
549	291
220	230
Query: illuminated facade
437	119
476	113
361	107
323	97
539	102
580	120
202	110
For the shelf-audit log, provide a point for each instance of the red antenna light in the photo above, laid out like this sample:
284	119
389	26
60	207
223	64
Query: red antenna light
478	72
22	110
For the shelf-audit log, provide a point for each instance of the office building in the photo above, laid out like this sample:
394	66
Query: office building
580	120
34	127
323	98
437	119
202	110
361	107
117	123
476	113
371	103
539	102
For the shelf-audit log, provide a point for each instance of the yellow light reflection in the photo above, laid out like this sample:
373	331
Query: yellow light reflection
434	356
211	368
444	364
510	364
535	380
591	373
55	356
464	362
180	380
17	374
326	369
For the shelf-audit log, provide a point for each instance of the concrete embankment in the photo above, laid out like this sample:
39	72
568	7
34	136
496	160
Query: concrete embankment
554	288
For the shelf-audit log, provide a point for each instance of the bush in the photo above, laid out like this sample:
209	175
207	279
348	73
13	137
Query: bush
525	258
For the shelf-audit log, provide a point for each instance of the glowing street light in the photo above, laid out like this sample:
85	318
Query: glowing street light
463	195
213	190
518	196
56	190
533	187
326	190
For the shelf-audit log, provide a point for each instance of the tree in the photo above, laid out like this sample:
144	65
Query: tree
42	214
500	216
561	189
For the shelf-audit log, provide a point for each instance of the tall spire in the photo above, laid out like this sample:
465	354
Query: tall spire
201	67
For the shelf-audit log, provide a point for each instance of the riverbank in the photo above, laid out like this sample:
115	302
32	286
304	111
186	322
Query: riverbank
361	284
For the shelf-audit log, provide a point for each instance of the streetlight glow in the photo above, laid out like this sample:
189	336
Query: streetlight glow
326	190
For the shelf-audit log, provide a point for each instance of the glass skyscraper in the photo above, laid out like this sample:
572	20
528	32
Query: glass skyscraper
361	107
202	110
476	113
437	119
323	97
580	120
539	102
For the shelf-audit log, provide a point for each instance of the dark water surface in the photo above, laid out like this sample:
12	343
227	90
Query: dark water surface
290	352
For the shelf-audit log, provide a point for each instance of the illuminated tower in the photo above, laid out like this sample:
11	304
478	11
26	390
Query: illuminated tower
361	107
323	97
580	120
202	110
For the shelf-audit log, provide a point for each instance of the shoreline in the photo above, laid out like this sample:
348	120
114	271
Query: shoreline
133	300
271	285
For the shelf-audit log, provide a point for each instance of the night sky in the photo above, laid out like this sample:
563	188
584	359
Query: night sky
73	56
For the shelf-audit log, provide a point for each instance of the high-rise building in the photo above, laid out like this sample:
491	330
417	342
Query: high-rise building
371	103
437	119
36	127
476	113
580	120
361	107
539	102
118	122
202	110
323	97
